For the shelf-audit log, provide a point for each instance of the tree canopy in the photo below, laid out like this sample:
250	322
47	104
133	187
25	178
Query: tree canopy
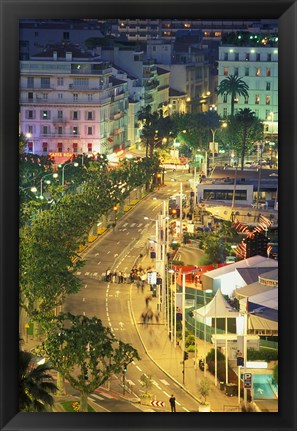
86	353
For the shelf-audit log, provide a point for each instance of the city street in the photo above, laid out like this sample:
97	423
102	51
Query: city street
119	249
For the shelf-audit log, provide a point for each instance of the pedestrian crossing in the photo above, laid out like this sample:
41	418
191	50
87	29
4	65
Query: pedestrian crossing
102	396
126	226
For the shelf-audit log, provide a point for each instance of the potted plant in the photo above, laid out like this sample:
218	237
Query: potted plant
204	389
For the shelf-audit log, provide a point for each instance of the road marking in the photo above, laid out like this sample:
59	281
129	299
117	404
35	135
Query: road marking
97	396
132	225
130	382
179	404
84	299
121	325
138	368
108	252
165	382
95	274
118	242
140	224
117	293
125	224
166	394
186	409
115	255
104	394
156	384
87	273
99	263
78	273
97	254
85	286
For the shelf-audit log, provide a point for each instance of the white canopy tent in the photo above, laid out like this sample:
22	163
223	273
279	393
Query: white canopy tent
218	307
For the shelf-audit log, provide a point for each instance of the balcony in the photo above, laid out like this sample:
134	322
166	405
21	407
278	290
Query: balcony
63	121
117	97
117	116
59	135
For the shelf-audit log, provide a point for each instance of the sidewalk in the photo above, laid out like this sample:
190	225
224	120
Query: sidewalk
156	342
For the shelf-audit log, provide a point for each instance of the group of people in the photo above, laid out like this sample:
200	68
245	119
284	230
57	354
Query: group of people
137	275
116	277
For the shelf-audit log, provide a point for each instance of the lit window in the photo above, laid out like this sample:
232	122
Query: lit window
225	71
258	71
267	100
268	71
257	99
75	130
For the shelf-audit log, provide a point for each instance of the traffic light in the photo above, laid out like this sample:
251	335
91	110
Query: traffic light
86	376
186	356
125	368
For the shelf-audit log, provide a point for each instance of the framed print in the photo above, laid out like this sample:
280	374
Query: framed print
77	81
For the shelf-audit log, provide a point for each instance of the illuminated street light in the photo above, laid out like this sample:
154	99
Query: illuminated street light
75	164
55	175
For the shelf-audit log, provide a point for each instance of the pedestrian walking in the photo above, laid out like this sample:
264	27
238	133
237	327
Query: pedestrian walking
172	403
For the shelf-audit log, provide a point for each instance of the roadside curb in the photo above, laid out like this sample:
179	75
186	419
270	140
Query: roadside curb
152	359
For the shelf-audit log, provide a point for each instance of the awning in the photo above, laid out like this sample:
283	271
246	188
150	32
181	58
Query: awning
218	307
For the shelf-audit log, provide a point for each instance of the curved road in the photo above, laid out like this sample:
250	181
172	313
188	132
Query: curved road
119	249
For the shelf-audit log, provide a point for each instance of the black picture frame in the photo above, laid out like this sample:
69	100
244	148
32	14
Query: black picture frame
14	10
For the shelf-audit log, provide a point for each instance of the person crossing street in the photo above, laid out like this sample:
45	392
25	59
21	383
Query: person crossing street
172	403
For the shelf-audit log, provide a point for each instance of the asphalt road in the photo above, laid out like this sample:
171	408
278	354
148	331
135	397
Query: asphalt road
118	249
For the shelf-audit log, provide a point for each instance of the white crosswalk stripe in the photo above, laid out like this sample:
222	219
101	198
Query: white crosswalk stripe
130	382
96	396
104	394
156	384
165	382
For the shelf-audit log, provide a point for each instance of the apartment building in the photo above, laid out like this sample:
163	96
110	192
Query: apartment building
258	67
133	61
147	29
36	35
71	103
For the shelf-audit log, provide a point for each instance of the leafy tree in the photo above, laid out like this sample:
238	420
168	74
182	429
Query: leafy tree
86	353
35	384
275	373
146	382
217	244
245	121
149	121
204	388
234	86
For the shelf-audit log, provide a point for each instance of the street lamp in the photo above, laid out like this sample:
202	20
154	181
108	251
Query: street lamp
213	131
161	244
55	175
75	164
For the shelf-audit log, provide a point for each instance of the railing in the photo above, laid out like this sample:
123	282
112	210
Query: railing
59	135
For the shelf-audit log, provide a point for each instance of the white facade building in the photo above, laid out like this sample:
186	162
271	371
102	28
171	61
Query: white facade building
258	67
70	103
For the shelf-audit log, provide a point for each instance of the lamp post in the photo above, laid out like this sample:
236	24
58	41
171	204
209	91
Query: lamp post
63	169
161	244
204	321
213	131
55	175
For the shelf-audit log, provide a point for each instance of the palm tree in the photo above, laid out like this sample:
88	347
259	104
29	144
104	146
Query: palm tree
35	385
149	121
245	119
234	86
